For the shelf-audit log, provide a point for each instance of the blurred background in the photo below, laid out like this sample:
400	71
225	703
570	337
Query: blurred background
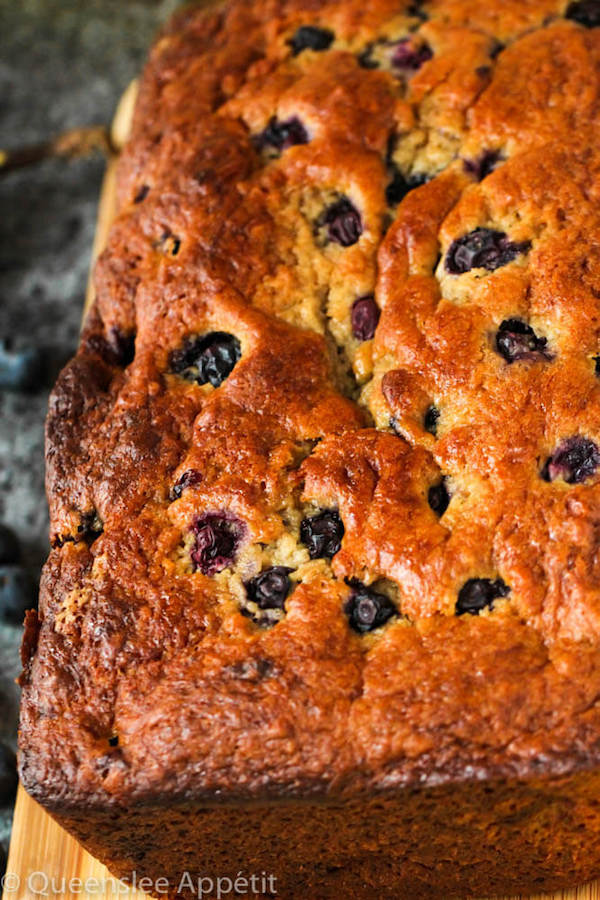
63	64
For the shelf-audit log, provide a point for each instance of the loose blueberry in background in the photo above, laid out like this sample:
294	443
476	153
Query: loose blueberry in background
400	186
310	37
438	497
20	370
574	460
482	248
17	594
408	57
218	538
367	609
322	534
188	479
365	316
477	593
8	775
10	551
516	340
586	13
343	221
430	422
282	135
269	591
483	165
210	358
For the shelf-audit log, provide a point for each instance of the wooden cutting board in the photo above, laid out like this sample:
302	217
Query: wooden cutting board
44	861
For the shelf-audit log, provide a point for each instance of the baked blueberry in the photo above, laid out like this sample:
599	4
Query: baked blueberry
483	165
365	316
343	221
416	9
90	527
142	193
322	534
17	593
367	609
410	57
123	345
482	248
281	135
516	340
8	775
596	365
218	538
310	37
400	186
20	370
430	422
207	359
438	497
268	590
574	460
477	593
10	551
188	479
584	12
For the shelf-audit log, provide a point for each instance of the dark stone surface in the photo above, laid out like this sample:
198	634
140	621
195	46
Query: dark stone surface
63	64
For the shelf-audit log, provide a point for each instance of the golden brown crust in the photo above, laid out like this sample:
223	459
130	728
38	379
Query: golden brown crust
148	682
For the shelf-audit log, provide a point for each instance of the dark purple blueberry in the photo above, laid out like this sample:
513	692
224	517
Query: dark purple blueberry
438	497
482	248
477	593
344	224
574	460
90	527
367	609
218	538
188	479
8	775
322	534
17	594
123	344
586	13
400	186
142	193
416	9
269	591
365	316
430	422
20	370
596	366
408	57
113	740
10	551
516	340
483	165
310	37
282	135
207	359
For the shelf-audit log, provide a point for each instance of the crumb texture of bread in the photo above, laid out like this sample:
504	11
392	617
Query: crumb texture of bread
324	475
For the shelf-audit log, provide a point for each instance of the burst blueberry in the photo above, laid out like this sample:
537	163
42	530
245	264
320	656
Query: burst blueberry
310	37
574	460
343	221
365	316
368	609
438	497
517	341
322	534
482	248
282	135
483	165
189	478
585	12
218	537
207	359
409	57
478	593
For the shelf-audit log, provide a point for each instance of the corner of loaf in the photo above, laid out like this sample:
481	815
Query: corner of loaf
323	594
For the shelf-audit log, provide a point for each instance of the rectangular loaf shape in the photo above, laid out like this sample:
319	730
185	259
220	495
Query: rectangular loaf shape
323	598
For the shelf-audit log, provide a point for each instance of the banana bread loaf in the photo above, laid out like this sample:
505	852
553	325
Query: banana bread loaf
323	599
